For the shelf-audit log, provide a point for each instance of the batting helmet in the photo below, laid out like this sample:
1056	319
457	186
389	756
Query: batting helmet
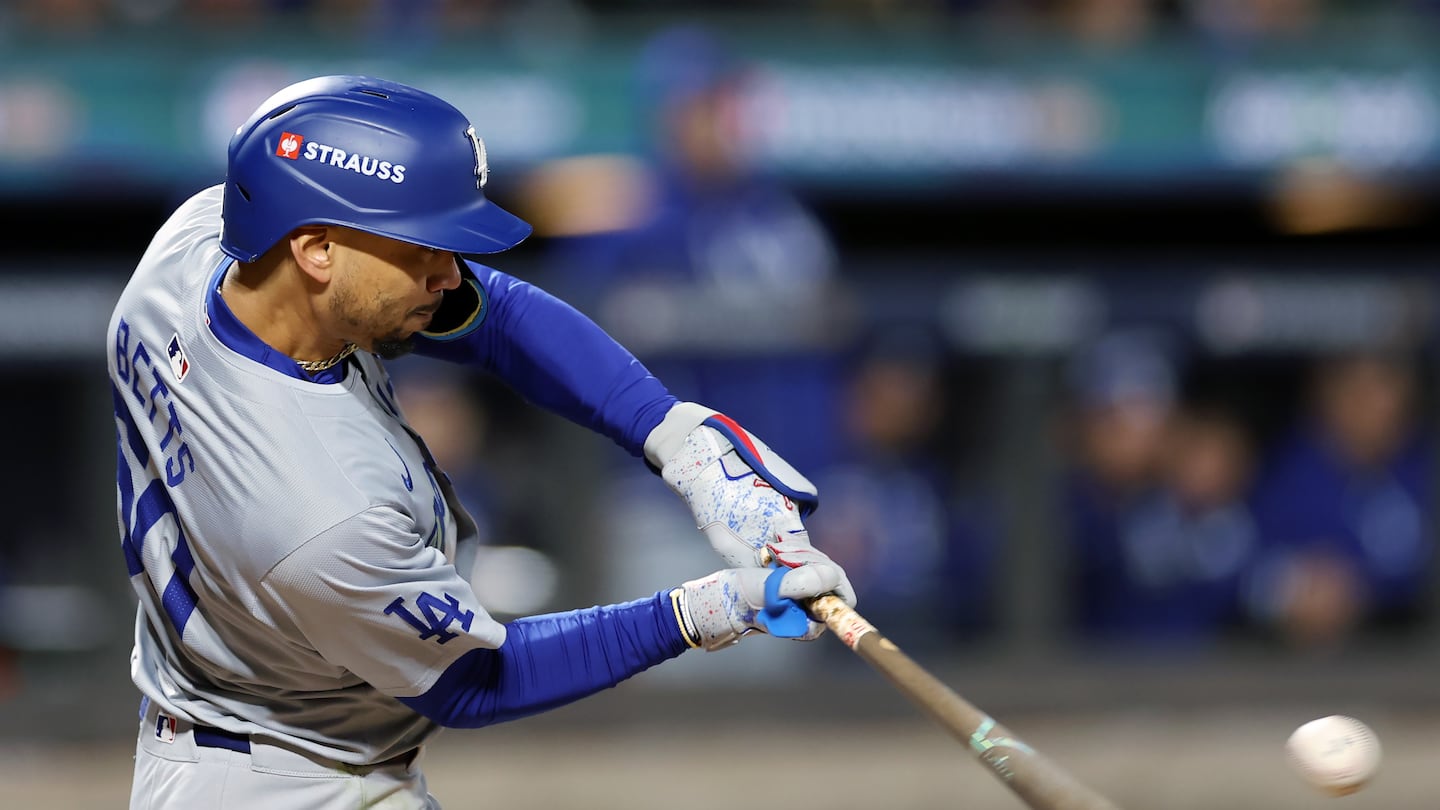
365	153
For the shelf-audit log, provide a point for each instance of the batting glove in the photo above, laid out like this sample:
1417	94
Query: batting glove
718	610
746	499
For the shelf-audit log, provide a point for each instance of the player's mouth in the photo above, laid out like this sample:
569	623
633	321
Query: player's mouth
427	312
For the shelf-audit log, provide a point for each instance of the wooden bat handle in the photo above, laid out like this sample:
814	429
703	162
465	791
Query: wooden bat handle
1034	778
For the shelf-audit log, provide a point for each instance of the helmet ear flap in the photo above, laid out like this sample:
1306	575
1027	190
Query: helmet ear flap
368	154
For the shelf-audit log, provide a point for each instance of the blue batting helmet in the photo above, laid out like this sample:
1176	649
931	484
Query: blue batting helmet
365	153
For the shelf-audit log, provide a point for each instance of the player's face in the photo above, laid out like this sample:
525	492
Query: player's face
384	291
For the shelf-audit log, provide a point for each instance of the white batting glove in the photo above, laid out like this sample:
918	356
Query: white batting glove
716	611
746	499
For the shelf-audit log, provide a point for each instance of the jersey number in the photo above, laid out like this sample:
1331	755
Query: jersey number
142	521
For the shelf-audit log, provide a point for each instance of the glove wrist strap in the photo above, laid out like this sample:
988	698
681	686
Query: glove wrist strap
669	436
679	604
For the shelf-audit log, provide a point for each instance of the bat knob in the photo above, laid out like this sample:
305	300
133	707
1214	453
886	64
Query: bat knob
781	617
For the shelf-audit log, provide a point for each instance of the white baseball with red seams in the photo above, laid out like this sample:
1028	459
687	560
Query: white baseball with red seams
1336	754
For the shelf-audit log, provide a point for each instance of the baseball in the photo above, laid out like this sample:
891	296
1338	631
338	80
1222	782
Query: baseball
1336	754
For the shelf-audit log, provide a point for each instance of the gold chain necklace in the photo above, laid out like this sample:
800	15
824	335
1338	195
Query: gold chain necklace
312	366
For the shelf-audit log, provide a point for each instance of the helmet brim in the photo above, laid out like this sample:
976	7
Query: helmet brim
475	230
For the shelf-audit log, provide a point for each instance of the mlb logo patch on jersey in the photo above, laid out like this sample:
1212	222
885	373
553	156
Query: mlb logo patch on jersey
289	146
179	363
165	728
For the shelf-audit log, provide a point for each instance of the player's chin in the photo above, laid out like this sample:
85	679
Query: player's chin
390	347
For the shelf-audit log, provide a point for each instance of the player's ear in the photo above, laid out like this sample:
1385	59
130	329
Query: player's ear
310	247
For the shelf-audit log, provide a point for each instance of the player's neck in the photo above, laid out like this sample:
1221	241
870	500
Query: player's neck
276	307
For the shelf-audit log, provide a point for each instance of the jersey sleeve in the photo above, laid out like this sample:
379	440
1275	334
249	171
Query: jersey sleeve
554	659
556	357
371	597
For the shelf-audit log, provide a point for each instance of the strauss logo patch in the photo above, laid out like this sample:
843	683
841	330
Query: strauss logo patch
289	145
290	148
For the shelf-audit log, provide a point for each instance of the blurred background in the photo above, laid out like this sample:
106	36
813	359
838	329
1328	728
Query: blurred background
1106	327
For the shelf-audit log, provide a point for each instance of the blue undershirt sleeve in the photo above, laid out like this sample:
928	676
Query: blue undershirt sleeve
551	660
557	358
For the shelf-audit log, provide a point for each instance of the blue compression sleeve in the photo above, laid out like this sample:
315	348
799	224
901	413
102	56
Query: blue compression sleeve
551	660
557	358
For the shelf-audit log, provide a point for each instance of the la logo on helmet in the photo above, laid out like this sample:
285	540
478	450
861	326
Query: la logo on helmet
482	168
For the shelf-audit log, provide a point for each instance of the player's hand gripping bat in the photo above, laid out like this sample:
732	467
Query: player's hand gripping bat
1034	778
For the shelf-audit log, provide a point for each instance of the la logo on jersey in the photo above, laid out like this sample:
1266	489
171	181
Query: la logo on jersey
436	615
289	145
179	363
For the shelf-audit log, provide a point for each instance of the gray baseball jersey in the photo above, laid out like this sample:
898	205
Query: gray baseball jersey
299	560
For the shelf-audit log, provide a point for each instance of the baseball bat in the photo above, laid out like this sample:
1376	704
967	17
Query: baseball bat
1040	783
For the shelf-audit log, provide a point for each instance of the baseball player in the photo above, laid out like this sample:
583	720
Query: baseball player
305	622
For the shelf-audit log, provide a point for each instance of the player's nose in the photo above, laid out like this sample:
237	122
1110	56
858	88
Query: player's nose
446	275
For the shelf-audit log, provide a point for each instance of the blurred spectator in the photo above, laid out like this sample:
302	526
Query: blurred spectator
922	555
1162	535
1106	23
450	411
1239	24
440	406
716	275
1345	507
62	16
1204	521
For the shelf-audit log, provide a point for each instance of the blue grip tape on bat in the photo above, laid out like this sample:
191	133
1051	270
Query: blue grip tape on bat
781	617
